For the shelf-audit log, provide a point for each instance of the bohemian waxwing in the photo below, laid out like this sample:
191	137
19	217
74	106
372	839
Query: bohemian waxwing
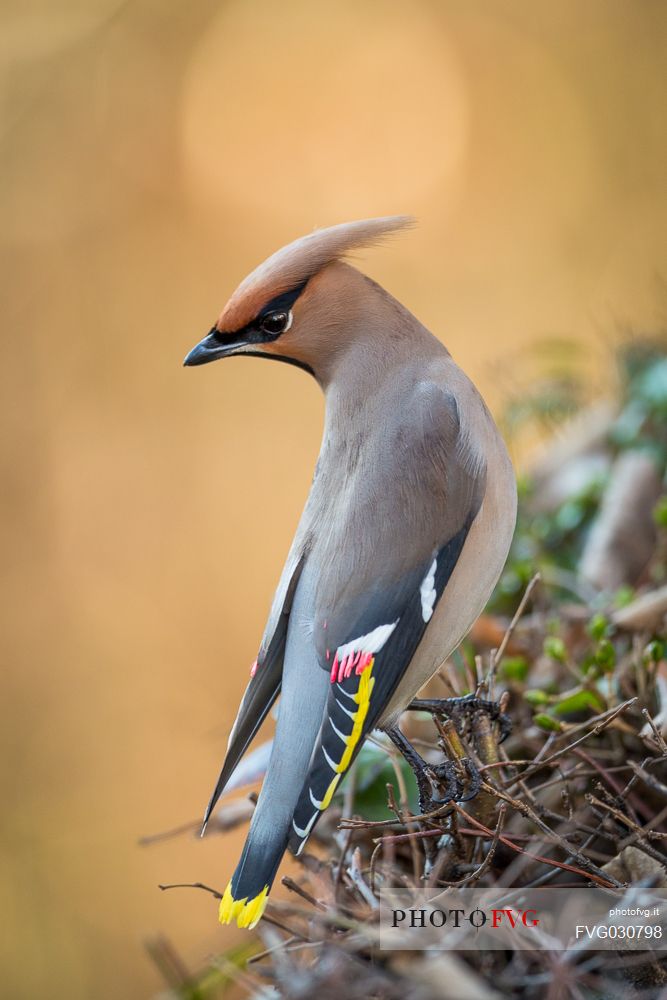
402	539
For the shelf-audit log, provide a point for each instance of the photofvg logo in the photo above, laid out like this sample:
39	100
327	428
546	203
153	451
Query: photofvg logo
523	919
437	917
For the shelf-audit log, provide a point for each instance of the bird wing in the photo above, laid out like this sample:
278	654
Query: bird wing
265	677
366	639
365	671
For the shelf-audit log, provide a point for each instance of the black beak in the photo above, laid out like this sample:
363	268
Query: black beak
208	349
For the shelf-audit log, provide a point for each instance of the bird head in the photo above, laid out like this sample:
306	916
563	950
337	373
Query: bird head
299	305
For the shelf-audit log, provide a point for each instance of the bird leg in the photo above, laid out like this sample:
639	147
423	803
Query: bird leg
457	778
464	709
437	784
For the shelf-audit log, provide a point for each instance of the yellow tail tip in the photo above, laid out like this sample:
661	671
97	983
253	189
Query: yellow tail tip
246	912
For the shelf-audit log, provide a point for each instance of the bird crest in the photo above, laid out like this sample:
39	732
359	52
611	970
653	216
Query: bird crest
292	265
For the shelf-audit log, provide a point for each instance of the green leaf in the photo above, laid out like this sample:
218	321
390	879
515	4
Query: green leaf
579	702
660	512
545	721
623	596
374	770
513	668
536	697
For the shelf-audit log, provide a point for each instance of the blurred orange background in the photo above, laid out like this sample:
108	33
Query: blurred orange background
152	153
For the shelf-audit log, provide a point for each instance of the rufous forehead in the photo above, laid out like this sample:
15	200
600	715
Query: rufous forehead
295	263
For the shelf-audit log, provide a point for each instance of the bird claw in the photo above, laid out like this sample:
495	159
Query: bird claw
460	708
446	776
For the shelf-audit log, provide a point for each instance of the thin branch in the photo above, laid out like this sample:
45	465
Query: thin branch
497	655
601	722
606	882
569	850
476	875
357	879
656	732
293	886
191	885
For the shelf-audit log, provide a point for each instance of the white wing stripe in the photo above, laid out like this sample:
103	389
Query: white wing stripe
307	828
347	711
372	642
427	592
338	733
318	805
332	763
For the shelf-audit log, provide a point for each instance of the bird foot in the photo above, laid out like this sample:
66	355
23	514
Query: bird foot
462	710
449	781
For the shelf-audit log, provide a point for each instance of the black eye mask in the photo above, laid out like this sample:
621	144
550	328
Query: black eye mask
274	319
270	322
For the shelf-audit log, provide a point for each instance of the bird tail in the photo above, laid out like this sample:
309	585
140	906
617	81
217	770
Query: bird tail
305	687
246	895
247	892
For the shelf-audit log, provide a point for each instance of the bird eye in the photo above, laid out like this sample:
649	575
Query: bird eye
275	323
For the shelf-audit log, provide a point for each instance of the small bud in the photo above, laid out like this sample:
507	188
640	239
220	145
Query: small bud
536	697
597	627
605	655
654	652
554	648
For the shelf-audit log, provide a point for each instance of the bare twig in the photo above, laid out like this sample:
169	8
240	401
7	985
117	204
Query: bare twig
568	848
497	655
191	885
357	879
605	882
293	886
648	779
601	722
656	732
477	874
